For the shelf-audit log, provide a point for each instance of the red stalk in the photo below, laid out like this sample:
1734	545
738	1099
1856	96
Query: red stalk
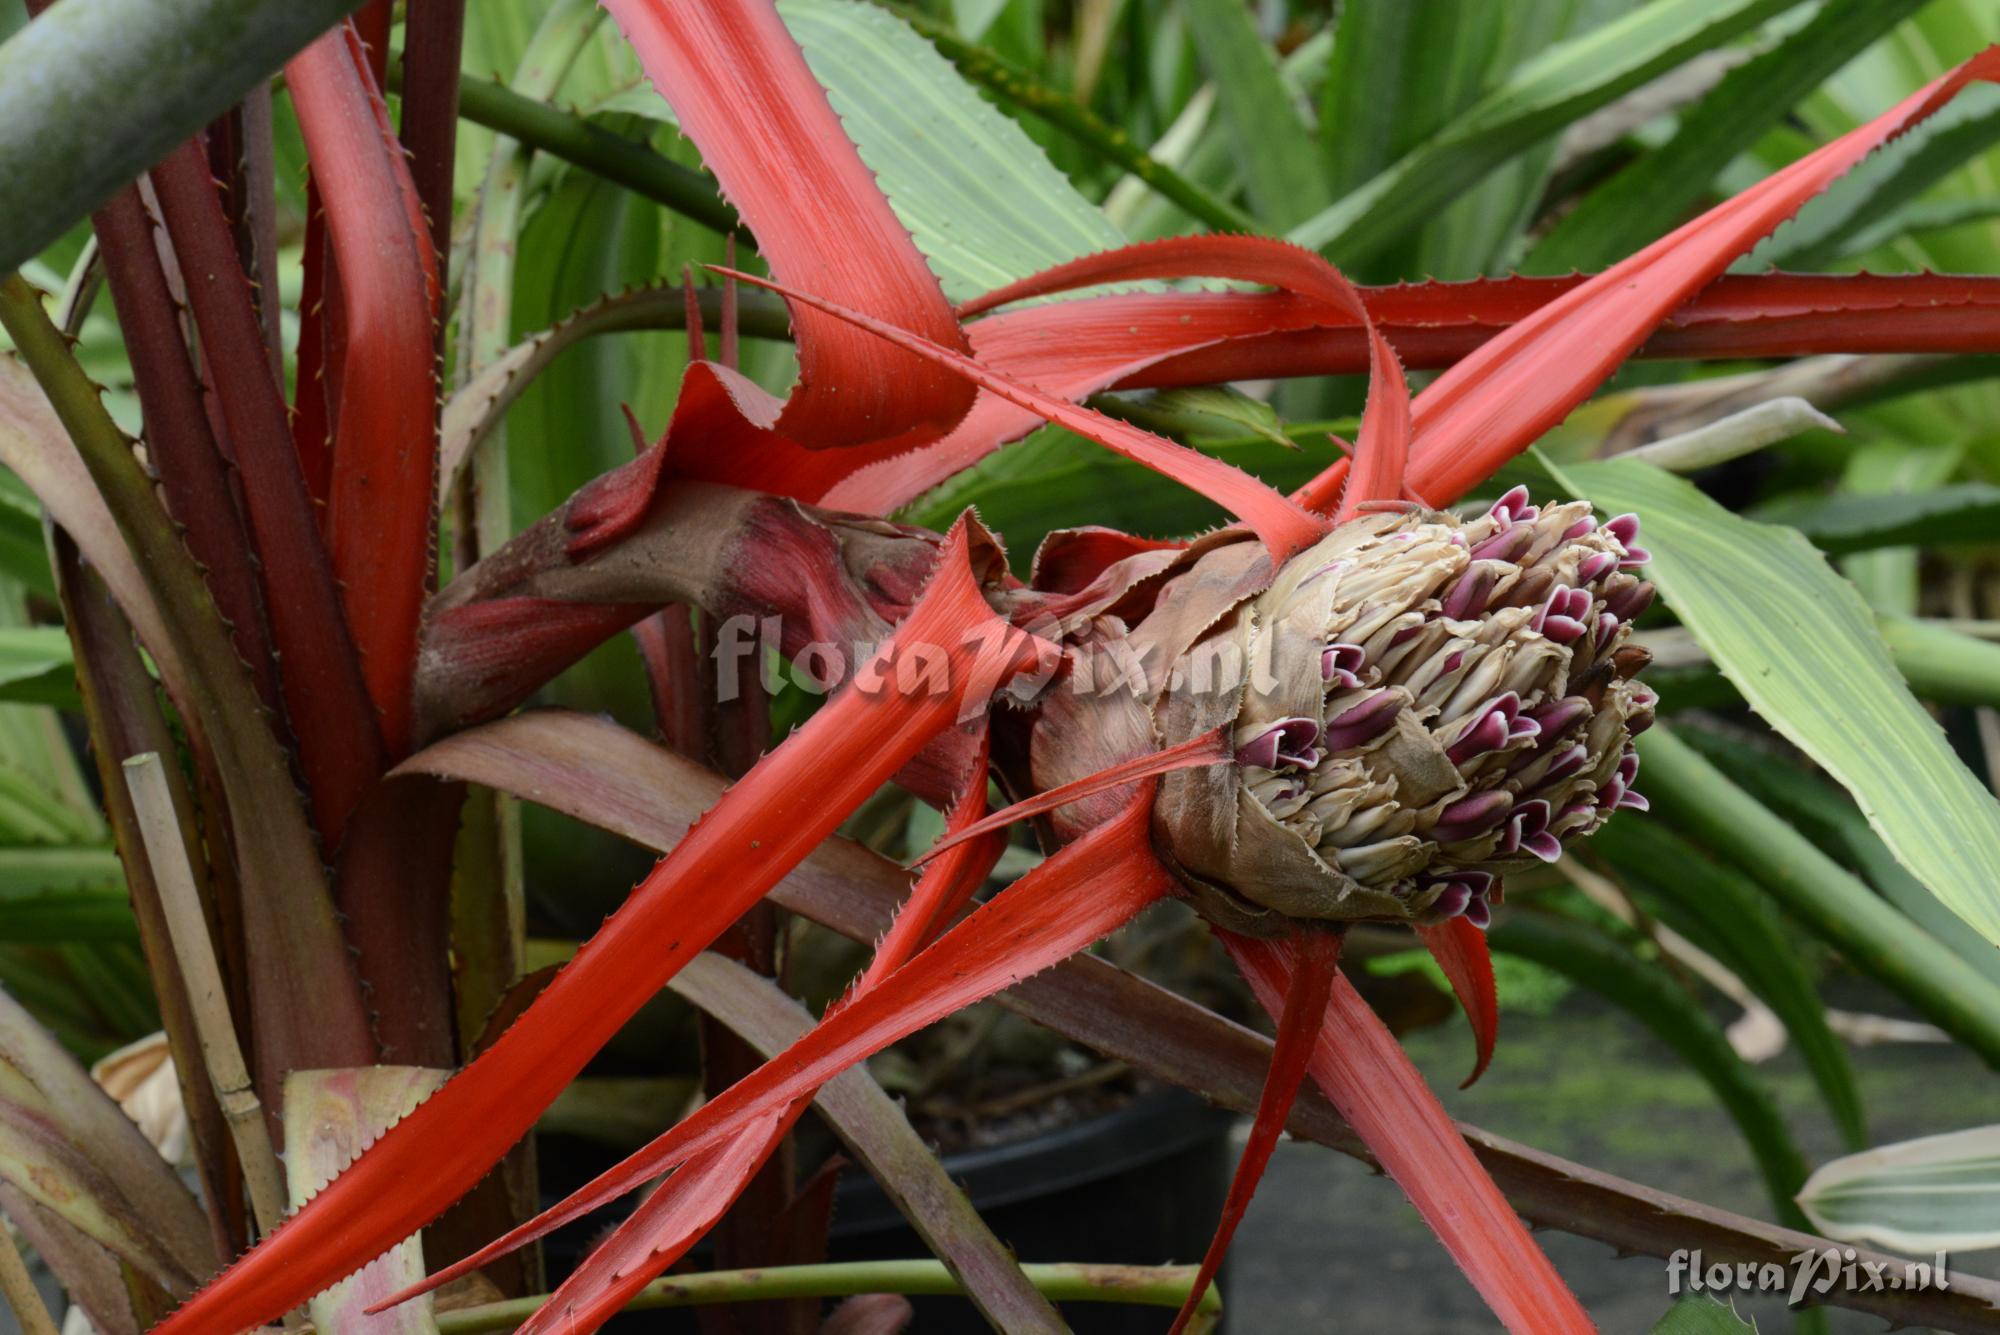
758	832
1358	1065
385	439
1460	950
184	450
1299	1026
339	745
435	33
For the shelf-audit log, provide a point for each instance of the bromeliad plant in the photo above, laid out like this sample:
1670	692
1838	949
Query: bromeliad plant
1351	705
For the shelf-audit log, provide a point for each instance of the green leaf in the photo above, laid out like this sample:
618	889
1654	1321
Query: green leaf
978	196
1695	1314
1218	409
1888	577
1824	814
1400	73
1824	897
1940	1193
63	894
1727	915
1657	1001
1799	643
330	1117
1649	197
68	136
1825	228
1564	82
1054	480
1281	164
36	667
1852	522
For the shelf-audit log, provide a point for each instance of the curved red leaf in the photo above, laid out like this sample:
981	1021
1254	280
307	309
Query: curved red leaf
385	437
1383	448
743	93
1283	527
1358	1065
1460	950
1317	957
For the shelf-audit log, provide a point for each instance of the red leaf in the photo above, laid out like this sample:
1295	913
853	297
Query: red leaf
1282	526
1497	401
1211	748
1460	950
658	1233
1318	958
385	441
758	832
1385	429
742	91
949	883
1082	893
1358	1066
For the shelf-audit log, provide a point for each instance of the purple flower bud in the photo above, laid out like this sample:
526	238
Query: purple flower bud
1479	913
1566	763
1453	900
1634	558
1506	545
1339	664
1633	800
1283	742
1625	528
1596	566
1560	716
1627	604
1528	831
1495	724
1579	528
1472	815
1364	722
1513	506
1560	617
1468	597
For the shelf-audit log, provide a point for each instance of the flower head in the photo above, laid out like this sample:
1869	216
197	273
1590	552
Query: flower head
1428	704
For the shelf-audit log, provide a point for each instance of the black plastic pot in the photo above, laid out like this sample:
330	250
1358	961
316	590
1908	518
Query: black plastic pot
1141	1186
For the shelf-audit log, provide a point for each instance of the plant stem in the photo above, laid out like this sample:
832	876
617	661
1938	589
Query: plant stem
1152	1286
1824	896
19	1289
1017	87
187	926
575	140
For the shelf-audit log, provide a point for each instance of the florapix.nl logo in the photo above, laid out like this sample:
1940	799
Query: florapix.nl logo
1818	1271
